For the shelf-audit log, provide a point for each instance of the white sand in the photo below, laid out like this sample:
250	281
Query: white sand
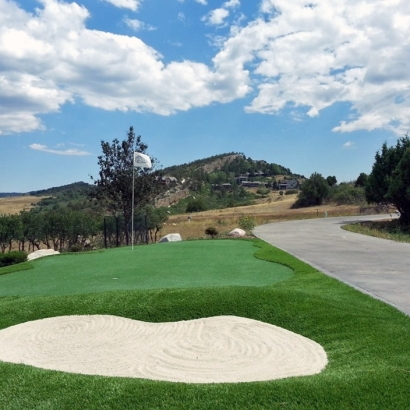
41	253
211	350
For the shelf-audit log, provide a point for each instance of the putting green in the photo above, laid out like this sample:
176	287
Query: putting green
188	264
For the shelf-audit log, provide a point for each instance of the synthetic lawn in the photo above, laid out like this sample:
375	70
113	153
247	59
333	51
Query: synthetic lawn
367	342
167	265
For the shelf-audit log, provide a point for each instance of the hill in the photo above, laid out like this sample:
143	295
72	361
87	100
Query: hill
200	178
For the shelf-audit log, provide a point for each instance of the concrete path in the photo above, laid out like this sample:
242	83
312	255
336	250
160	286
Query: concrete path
374	266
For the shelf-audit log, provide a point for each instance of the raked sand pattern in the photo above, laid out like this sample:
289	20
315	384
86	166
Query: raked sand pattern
220	349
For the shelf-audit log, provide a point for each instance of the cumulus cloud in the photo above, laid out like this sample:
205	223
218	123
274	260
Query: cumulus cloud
218	16
71	152
348	144
302	56
50	58
311	55
125	4
137	25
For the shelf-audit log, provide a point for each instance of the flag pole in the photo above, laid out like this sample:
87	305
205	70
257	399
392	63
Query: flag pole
132	221
140	160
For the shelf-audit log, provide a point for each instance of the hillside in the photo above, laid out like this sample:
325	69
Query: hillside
199	179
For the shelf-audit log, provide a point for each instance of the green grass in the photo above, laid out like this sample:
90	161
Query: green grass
172	265
391	230
367	343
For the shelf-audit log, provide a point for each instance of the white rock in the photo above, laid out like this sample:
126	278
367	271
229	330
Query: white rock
237	233
42	252
171	237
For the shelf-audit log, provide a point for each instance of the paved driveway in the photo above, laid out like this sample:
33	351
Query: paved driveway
375	266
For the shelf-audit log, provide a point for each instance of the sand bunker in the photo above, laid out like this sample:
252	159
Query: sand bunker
41	253
218	349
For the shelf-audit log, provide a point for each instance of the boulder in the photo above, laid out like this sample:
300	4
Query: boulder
237	233
40	253
171	237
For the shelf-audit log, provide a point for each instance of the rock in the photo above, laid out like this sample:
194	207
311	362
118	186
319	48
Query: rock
40	253
237	233
171	237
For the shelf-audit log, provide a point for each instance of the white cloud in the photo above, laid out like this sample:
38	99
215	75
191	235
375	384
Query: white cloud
315	55
125	4
217	17
307	56
138	25
71	152
348	144
50	58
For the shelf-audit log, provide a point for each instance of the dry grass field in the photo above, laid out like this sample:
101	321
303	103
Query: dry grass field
15	204
273	209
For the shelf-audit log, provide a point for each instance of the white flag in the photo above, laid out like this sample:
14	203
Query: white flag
142	160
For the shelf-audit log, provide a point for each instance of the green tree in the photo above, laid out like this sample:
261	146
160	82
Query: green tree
331	180
388	182
312	192
114	185
399	189
196	205
361	180
156	217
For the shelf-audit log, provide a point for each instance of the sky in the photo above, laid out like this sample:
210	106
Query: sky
315	86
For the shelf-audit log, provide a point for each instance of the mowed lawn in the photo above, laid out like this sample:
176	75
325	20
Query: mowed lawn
367	341
166	265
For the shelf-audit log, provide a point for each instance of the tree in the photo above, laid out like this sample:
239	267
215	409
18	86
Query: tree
399	189
361	180
312	192
114	185
331	180
387	181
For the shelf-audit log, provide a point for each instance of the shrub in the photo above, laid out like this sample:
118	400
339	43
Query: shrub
291	191
196	205
246	223
211	231
11	258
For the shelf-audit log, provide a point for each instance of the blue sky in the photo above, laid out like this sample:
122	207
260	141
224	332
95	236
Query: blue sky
315	86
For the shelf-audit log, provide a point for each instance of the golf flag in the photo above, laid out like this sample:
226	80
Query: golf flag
142	160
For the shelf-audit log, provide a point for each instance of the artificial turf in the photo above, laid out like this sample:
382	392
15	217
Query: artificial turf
367	342
169	265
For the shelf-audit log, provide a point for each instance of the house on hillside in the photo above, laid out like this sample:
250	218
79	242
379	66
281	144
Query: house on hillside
242	178
167	180
222	187
288	184
253	184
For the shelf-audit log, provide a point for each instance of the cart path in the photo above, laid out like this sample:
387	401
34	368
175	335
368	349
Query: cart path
378	267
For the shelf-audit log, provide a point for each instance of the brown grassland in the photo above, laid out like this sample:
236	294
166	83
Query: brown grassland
274	208
15	204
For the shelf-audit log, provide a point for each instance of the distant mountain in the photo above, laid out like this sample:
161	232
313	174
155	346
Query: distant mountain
9	194
229	163
76	187
190	177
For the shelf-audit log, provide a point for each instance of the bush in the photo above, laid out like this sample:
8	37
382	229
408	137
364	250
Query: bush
246	223
11	258
291	191
211	231
196	205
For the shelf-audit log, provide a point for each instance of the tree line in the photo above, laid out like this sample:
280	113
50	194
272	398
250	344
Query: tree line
387	184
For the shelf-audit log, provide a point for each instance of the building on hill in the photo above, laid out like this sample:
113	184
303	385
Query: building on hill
167	180
253	184
222	187
288	184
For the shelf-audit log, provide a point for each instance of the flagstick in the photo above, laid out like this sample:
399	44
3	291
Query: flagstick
144	161
132	223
